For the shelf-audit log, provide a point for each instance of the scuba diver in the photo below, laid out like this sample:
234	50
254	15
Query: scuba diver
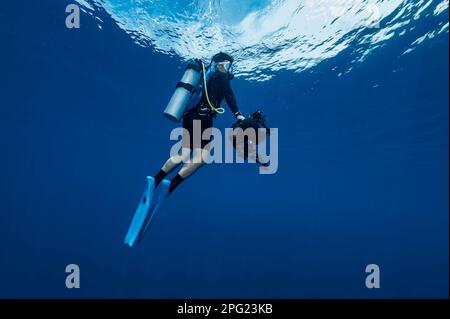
205	110
197	97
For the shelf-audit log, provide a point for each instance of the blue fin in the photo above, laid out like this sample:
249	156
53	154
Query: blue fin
141	213
161	194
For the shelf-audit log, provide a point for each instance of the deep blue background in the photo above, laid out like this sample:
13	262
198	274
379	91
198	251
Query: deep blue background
363	174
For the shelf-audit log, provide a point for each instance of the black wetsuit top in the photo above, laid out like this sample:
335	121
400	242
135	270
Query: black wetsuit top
218	89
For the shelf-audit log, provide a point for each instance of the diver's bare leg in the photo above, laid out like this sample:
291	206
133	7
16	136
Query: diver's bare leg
188	169
198	160
176	160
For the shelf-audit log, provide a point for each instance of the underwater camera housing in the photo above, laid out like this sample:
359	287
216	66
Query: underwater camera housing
256	120
245	145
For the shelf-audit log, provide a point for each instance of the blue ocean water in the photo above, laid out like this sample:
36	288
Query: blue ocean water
359	95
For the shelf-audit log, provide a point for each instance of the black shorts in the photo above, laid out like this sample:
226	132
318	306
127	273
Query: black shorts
188	124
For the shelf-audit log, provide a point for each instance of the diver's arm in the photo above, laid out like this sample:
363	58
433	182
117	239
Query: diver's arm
231	101
230	98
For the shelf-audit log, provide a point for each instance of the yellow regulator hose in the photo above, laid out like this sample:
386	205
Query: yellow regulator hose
219	110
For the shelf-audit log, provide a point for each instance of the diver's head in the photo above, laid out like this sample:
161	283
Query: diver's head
223	67
222	62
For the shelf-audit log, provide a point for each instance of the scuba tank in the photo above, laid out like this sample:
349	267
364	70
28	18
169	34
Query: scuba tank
183	92
190	89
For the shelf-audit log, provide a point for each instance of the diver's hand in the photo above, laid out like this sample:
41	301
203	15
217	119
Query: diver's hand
239	116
